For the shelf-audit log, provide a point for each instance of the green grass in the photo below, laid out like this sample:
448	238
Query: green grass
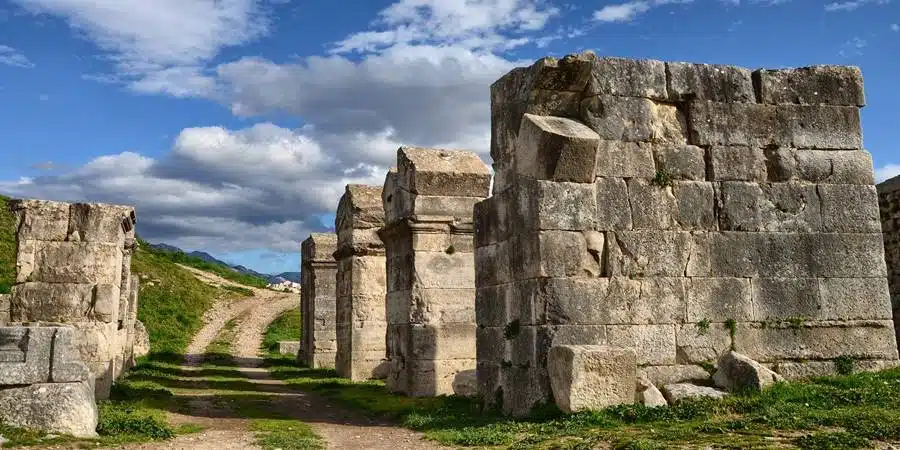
218	269
7	246
285	328
285	434
245	292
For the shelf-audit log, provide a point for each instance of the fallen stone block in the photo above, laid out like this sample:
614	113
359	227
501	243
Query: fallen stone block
63	408
590	377
465	383
649	395
289	347
737	372
684	391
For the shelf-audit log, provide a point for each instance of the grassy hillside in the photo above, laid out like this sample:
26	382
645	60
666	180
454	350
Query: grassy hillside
7	247
218	269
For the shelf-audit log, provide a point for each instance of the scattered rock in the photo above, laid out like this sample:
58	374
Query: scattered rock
648	395
738	372
465	383
590	377
680	391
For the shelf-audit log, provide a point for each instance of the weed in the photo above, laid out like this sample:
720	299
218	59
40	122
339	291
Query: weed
731	326
132	419
662	179
703	327
831	440
845	364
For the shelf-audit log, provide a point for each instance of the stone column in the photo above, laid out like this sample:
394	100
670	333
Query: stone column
428	238
69	269
677	210
889	202
317	301
360	284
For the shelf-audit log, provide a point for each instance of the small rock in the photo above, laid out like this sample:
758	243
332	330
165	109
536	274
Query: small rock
738	372
465	383
648	395
680	391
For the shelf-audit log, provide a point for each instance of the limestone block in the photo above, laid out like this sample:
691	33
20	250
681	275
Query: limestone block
54	302
653	344
648	253
680	392
359	208
545	205
837	255
319	247
633	119
698	343
94	341
40	220
289	347
681	162
713	82
77	262
66	365
628	78
850	208
490	221
686	205
435	342
735	124
440	172
648	395
854	299
571	73
827	166
625	160
792	370
719	299
465	383
25	355
492	264
736	372
769	207
815	85
98	222
617	300
737	163
817	340
556	148
822	127
4	309
141	340
613	210
556	254
663	375
61	408
490	304
429	378
591	377
431	306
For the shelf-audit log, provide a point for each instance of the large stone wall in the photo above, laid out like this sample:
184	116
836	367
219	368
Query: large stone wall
889	201
360	284
43	383
73	266
679	210
428	238
318	343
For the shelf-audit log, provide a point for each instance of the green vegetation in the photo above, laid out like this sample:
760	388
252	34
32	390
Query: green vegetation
663	179
7	246
285	328
845	364
218	269
703	327
245	292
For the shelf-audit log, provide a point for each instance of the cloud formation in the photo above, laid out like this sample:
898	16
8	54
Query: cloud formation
852	5
12	57
887	172
628	11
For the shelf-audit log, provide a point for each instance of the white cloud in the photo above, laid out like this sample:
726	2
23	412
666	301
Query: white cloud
626	12
895	27
852	5
12	57
887	172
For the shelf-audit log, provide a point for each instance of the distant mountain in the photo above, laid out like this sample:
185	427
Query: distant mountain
275	279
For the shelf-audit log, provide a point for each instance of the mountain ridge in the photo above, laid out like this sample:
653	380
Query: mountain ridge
271	278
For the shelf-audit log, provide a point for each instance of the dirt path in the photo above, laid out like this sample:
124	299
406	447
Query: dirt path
225	428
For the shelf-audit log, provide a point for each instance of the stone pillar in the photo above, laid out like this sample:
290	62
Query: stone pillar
317	301
678	210
360	284
428	237
889	201
4	309
73	266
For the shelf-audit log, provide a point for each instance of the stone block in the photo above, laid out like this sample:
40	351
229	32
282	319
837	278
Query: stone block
465	383
613	210
291	348
737	163
633	119
25	355
852	255
97	222
698	343
40	220
696	205
556	148
490	304
736	372
625	160
141	340
441	172
681	162
850	208
679	392
829	166
628	78
617	300
544	205
769	207
652	207
854	299
555	254
712	82
77	262
817	340
360	207
52	302
435	342
814	85
663	375
66	365
648	395
445	271
648	253
822	127
591	377
784	298
719	299
735	124
653	344
58	408
792	370
571	73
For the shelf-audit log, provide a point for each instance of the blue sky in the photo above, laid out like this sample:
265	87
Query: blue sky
233	125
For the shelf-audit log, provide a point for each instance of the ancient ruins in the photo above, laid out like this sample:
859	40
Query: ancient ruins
318	270
360	284
889	201
677	211
429	241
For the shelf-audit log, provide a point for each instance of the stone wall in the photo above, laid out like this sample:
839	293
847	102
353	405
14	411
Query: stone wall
318	343
360	284
43	383
73	266
889	200
4	309
680	210
428	237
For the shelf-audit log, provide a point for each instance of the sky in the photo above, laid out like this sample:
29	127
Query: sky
233	125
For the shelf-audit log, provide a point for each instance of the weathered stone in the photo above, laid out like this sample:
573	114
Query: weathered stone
556	148
719	299
829	166
815	85
737	163
441	172
465	383
648	395
663	375
628	78
782	298
679	392
591	376
318	306
98	222
653	344
625	160
816	340
681	162
769	207
701	342
736	372
849	209
40	220
545	205
141	340
291	348
62	408
713	82
613	210
648	253
632	119
4	309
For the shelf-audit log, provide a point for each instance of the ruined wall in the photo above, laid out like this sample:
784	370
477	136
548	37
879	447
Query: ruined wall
428	238
318	343
360	284
680	210
73	266
889	201
4	309
43	383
